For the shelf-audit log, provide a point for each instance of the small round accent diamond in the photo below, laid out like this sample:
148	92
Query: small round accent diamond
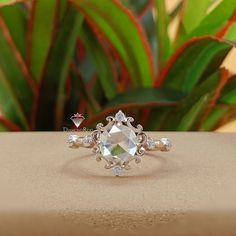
87	141
120	117
151	143
117	170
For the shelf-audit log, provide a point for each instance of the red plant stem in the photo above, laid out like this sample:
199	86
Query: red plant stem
81	51
11	126
224	30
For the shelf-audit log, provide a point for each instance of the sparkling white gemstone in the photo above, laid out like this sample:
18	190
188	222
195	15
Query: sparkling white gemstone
120	117
117	170
118	144
166	144
87	140
151	143
73	138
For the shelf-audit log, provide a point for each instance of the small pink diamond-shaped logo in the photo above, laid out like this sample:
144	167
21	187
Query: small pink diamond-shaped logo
77	119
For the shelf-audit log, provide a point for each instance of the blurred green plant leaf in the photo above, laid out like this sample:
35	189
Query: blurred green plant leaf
42	32
193	109
16	74
104	16
213	120
226	103
11	108
215	20
228	94
146	97
231	33
163	41
189	119
194	13
102	61
138	99
204	56
52	95
15	19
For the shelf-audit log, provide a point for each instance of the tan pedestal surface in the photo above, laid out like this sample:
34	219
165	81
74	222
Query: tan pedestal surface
48	189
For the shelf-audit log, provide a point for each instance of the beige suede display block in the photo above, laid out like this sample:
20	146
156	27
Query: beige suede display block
48	189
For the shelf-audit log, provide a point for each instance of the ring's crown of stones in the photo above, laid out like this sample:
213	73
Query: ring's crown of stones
119	142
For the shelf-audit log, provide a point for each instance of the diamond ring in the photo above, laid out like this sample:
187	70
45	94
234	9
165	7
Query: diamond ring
119	142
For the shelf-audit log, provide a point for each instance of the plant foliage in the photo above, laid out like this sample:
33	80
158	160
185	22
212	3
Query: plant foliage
61	57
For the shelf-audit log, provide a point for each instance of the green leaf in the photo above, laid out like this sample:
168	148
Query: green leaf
163	41
214	118
52	96
203	57
136	54
231	33
189	119
194	13
15	75
43	24
104	66
228	94
226	103
215	20
15	20
190	112
146	96
138	99
11	108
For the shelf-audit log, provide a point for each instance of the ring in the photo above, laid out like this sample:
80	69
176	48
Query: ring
119	142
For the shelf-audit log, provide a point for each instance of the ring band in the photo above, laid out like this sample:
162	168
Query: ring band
118	142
